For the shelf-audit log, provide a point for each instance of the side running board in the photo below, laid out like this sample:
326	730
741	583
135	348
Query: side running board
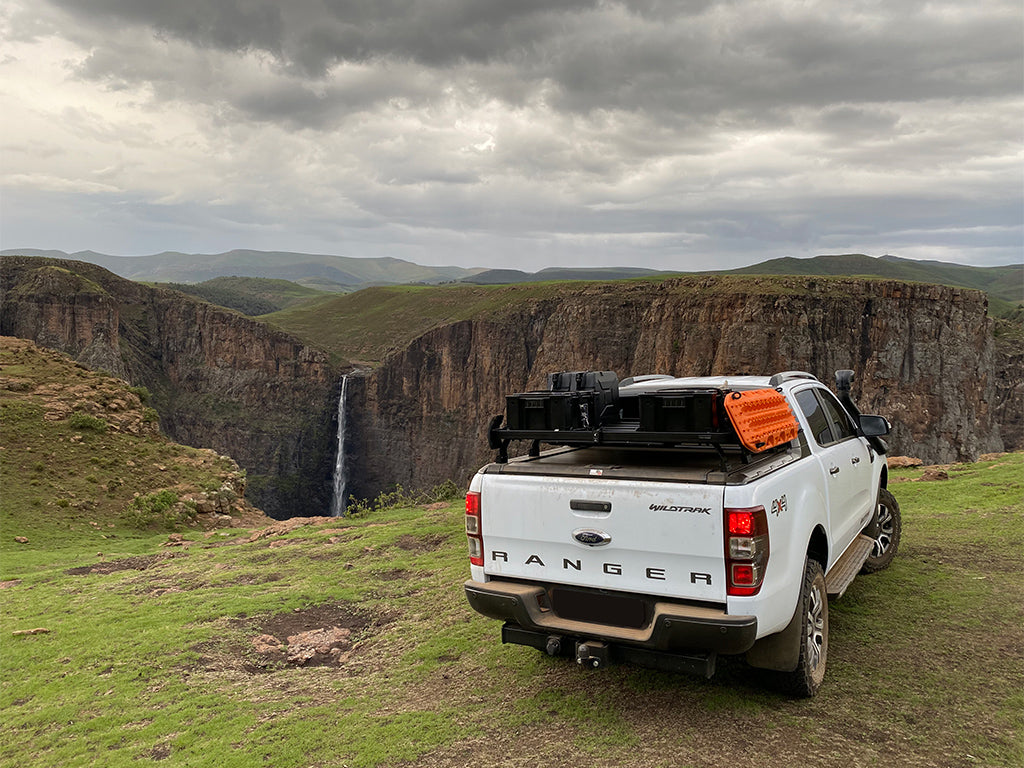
848	566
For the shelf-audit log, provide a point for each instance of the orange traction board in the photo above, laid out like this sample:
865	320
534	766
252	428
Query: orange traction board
762	418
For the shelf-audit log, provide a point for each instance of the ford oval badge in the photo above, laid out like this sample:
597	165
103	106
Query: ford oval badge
591	537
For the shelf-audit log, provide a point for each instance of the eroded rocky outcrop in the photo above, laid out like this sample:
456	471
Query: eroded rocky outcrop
218	379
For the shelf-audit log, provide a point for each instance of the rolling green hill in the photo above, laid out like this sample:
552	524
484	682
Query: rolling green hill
248	295
364	326
1004	285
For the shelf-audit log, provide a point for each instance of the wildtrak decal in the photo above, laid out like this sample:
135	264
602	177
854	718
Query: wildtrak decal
667	508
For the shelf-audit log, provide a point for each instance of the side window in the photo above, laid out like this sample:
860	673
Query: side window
815	415
842	425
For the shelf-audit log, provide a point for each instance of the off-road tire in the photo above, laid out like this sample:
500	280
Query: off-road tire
887	528
806	679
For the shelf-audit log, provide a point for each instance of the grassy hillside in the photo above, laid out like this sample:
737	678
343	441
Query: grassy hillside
248	295
1004	285
182	654
364	326
81	456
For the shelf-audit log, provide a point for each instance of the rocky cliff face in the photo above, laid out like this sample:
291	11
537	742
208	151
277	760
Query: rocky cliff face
218	379
923	356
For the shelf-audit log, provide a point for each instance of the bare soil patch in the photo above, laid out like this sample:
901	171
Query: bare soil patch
140	563
318	636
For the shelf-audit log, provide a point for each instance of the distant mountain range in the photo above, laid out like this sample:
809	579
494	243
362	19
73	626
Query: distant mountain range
320	271
1005	284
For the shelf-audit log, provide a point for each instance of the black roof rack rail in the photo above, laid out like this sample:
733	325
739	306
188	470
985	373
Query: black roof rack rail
778	378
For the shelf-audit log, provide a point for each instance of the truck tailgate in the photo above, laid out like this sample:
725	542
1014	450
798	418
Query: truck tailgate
655	538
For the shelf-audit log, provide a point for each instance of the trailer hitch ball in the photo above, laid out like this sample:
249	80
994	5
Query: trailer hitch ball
594	655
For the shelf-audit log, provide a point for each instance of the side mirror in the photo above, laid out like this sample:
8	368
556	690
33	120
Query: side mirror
874	426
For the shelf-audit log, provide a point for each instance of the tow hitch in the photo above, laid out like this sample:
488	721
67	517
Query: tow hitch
592	654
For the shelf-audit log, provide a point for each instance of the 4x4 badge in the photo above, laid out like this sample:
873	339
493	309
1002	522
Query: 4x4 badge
591	537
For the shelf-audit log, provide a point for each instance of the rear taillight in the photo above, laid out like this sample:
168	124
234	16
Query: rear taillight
746	550
474	533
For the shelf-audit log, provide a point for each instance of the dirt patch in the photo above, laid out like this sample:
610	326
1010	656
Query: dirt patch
140	563
282	527
399	574
426	543
318	636
968	557
317	616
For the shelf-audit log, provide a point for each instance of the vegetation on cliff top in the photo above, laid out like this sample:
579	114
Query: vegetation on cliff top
248	295
1004	285
81	453
365	326
195	654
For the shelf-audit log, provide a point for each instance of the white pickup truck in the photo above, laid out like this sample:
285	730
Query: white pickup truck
680	518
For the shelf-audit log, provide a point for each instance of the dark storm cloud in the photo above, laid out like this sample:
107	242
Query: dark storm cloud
314	34
746	61
593	126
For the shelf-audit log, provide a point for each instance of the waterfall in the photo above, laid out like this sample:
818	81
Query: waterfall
340	479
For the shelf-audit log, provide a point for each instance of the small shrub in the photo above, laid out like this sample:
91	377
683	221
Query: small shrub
399	497
149	415
156	510
142	393
85	421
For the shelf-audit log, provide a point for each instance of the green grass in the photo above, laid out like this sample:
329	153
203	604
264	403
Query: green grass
248	295
156	664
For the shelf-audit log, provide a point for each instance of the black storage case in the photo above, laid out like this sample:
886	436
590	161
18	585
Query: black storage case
682	411
604	385
547	411
575	400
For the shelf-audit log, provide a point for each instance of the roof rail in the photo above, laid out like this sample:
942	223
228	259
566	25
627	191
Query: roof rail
778	378
645	377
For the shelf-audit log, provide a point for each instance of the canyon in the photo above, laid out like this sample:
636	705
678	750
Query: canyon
925	356
218	379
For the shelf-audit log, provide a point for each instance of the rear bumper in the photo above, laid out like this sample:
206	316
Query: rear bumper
673	628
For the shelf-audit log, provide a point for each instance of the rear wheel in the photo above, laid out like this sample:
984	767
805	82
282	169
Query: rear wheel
887	528
806	679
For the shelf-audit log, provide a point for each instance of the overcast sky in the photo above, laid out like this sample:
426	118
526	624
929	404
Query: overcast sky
674	134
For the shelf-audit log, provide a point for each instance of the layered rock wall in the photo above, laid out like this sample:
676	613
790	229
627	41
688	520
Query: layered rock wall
923	357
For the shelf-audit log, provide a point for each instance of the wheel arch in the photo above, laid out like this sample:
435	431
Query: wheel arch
817	547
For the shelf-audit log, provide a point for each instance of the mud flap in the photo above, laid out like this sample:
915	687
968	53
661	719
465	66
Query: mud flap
781	651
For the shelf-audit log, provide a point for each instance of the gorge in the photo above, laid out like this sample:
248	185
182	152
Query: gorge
924	355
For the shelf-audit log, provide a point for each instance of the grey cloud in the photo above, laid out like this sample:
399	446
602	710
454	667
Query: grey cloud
678	61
